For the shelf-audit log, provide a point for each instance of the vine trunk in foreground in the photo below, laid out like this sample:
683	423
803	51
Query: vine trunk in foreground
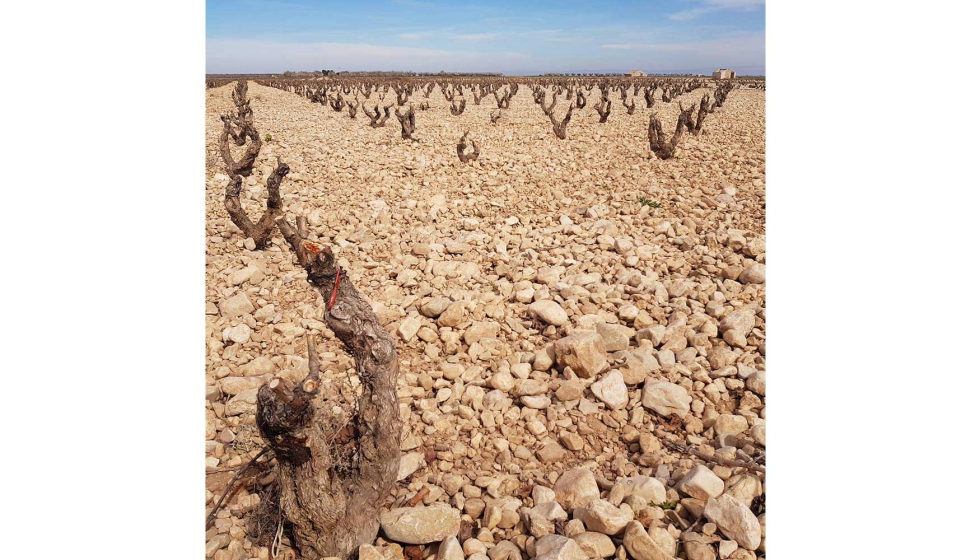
335	471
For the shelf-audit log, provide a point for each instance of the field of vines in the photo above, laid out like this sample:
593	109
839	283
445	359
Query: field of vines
485	318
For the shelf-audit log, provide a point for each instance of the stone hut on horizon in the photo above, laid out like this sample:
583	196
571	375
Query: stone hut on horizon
723	74
636	74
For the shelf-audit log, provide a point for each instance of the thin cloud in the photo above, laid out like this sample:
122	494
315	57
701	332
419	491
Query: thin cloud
414	36
414	3
711	6
229	56
664	47
690	14
475	36
736	4
741	51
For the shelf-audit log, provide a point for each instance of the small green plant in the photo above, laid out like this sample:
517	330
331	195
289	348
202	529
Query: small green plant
644	201
667	505
268	138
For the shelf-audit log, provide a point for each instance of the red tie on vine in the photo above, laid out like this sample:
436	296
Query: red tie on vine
336	284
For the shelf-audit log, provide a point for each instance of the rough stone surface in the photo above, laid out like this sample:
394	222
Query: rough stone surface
755	274
640	545
236	306
744	487
557	547
583	352
595	545
735	520
450	549
409	463
665	398
548	311
420	524
701	483
603	517
453	256
611	390
731	424
614	337
434	308
576	488
647	488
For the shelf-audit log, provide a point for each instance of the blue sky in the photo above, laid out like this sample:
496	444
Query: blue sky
508	36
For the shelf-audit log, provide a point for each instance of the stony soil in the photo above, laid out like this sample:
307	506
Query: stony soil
554	332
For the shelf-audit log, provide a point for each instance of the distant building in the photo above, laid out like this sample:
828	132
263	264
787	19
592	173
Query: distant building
636	73
723	74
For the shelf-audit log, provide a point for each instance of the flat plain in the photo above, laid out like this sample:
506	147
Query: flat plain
580	325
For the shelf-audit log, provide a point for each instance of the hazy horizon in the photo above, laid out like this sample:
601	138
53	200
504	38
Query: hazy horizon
660	37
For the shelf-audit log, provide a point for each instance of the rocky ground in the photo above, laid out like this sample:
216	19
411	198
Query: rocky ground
567	352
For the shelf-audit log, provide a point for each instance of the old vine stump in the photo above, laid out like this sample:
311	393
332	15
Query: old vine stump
335	470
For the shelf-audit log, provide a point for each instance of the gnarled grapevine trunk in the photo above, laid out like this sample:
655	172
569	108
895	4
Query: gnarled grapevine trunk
240	129
335	472
461	149
560	126
262	231
659	144
407	121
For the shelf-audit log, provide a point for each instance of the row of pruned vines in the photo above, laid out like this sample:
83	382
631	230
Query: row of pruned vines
335	464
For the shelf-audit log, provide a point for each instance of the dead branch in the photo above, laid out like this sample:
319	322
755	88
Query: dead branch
691	450
401	95
231	484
